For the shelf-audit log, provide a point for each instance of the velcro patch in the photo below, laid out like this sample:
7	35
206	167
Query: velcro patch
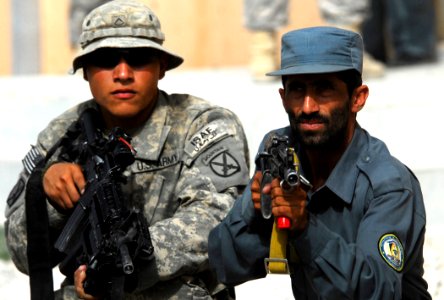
392	251
16	192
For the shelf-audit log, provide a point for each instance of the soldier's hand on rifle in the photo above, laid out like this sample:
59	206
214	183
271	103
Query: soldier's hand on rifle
79	278
63	183
290	203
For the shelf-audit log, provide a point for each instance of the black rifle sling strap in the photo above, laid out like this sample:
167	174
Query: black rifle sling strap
39	245
40	251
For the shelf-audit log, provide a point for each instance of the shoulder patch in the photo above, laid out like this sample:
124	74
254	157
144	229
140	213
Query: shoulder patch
392	251
224	164
16	192
32	159
206	136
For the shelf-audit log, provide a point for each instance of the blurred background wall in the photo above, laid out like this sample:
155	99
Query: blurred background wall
35	39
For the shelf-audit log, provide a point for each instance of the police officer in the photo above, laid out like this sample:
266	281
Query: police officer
358	231
191	162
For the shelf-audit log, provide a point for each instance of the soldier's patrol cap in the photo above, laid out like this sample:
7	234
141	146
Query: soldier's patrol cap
122	24
321	49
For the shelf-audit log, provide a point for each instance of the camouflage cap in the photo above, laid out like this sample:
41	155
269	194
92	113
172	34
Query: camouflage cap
122	24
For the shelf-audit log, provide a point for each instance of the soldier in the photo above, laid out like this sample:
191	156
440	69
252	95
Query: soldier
191	162
357	231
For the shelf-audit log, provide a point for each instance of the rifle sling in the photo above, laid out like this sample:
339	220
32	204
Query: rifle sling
277	262
40	252
39	247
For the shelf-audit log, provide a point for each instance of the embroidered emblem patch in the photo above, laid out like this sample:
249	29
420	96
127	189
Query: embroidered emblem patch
206	136
392	251
224	164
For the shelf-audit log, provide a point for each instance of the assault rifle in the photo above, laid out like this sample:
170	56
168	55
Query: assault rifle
102	231
278	160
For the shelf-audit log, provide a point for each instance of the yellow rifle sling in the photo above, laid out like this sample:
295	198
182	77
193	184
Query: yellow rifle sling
277	262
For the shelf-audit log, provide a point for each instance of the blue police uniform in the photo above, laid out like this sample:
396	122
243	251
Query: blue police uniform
364	239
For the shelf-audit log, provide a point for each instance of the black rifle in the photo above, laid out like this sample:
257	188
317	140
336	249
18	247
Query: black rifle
102	232
278	160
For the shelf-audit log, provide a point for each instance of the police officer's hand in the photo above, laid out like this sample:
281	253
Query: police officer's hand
63	183
256	190
290	203
79	278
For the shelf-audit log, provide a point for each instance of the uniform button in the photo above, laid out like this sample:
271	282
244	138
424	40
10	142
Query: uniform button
367	158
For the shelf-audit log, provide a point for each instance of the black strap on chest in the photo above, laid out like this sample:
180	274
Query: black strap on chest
39	245
42	256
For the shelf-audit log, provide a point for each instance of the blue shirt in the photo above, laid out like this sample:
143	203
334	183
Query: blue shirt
364	239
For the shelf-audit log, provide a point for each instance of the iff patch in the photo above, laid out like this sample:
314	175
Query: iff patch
392	251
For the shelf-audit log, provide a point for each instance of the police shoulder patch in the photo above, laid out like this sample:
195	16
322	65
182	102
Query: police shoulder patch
392	251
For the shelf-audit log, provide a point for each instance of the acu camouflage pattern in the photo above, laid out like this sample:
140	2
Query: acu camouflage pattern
122	24
183	197
78	9
271	15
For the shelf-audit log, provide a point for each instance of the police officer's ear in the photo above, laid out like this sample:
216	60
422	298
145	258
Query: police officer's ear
359	98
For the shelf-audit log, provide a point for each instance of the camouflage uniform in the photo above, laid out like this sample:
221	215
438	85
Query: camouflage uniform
191	164
77	11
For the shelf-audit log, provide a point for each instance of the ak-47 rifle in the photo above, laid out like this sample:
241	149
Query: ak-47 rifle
278	160
102	231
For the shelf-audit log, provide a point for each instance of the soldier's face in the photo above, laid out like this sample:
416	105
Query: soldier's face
124	83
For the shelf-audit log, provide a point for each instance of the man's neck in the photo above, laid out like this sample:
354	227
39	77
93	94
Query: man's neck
321	162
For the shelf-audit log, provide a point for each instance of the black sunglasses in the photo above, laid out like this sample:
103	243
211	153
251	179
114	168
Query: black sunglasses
108	58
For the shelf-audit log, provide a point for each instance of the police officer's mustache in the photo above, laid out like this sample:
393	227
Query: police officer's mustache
309	118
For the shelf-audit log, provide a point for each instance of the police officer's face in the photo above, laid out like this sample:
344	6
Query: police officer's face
124	83
320	109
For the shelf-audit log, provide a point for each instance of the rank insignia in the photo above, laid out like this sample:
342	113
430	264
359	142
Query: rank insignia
392	251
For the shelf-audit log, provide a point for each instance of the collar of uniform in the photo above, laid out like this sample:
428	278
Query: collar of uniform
149	141
342	179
